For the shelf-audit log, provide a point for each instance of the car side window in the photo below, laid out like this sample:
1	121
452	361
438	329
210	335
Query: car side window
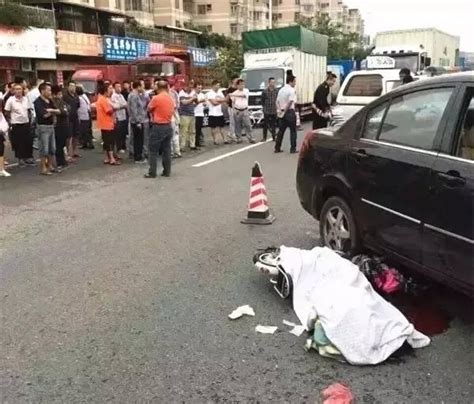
413	119
373	122
364	85
466	141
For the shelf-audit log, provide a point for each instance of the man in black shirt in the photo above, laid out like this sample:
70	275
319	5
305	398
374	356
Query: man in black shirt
269	97
126	89
61	130
72	99
321	107
45	111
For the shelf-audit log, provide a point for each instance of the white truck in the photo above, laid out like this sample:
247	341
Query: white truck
280	52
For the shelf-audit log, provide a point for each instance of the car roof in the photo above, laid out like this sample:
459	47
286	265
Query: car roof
389	74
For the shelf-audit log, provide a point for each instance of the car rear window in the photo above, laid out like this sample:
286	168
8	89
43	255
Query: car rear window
367	85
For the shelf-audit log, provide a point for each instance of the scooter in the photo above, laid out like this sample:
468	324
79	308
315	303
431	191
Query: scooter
267	262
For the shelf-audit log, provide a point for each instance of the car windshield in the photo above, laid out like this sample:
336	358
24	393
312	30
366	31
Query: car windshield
156	69
258	79
89	86
410	62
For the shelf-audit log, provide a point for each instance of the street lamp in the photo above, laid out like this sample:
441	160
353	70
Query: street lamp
270	13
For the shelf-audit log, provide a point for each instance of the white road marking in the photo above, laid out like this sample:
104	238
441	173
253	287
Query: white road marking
225	155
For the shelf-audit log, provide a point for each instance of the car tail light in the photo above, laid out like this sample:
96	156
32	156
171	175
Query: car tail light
307	144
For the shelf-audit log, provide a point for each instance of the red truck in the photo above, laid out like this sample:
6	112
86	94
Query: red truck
89	76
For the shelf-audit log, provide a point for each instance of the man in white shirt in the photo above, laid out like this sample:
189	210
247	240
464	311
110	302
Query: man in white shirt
120	104
18	111
216	98
240	106
199	114
286	103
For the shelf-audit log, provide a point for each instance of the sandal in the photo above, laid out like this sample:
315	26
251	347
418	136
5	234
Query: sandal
46	173
106	162
115	163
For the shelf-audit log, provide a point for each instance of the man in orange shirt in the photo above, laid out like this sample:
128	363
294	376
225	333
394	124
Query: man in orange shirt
161	108
106	123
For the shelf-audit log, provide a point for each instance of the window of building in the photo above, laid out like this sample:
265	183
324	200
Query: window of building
297	2
367	85
234	9
176	4
201	9
234	29
413	119
297	16
177	24
208	7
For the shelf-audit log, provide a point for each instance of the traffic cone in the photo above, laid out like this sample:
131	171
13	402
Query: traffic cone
258	210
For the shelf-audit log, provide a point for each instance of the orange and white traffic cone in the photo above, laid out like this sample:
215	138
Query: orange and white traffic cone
258	210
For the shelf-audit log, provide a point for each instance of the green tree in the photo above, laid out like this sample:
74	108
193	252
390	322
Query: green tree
341	45
230	61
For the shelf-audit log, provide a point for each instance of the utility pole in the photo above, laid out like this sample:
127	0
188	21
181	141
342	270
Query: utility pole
270	13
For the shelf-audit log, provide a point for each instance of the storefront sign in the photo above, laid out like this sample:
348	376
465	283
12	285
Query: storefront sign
156	48
60	78
125	49
175	50
53	65
76	43
27	43
203	57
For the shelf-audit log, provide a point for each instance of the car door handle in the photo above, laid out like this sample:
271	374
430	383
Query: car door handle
360	153
452	178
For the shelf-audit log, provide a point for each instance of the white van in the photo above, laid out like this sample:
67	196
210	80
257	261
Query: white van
361	88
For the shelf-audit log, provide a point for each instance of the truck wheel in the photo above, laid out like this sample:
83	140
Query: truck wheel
337	226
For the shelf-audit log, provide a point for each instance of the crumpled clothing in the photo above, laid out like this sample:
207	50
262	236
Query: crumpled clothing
321	343
337	393
383	278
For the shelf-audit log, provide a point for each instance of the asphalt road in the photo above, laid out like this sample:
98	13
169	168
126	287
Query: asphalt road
117	288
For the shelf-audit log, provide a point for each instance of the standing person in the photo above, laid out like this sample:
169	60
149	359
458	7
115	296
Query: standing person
405	75
71	98
187	102
62	128
126	89
162	108
85	121
106	123
3	139
199	107
137	110
18	111
120	106
216	98
240	102
230	90
175	123
45	111
32	95
286	103
269	97
321	107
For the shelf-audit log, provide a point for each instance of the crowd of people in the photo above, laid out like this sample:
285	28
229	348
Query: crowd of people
159	121
55	121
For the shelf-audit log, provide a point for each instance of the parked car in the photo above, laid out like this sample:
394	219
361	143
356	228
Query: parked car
361	87
398	178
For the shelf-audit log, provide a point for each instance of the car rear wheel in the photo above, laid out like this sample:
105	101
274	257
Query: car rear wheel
337	226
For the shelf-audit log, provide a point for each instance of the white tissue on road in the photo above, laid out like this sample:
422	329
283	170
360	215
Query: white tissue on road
297	329
266	329
241	311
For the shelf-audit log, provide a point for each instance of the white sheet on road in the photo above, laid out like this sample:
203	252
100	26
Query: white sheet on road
358	321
